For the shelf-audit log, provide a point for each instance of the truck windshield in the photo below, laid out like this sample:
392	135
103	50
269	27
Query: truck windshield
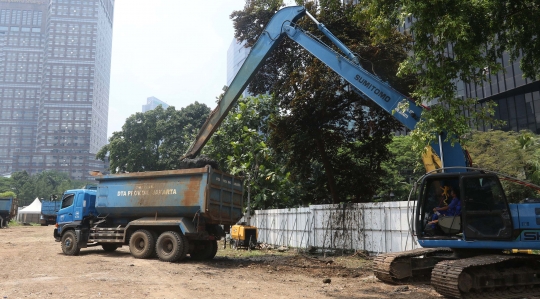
68	200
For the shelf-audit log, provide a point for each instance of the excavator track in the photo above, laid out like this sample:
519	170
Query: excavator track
408	266
488	276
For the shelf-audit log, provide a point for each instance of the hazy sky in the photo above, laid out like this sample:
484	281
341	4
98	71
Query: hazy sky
173	50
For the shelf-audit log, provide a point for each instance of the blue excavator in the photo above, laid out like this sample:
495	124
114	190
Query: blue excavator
479	252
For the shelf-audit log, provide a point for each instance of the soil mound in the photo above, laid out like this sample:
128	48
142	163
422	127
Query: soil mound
198	162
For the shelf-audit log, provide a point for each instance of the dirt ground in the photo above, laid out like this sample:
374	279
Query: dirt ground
32	266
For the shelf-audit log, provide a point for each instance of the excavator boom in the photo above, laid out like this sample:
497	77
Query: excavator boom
268	41
282	24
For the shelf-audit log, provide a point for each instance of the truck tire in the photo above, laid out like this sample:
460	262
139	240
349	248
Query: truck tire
69	243
204	250
109	247
156	236
142	244
214	249
171	246
201	250
186	246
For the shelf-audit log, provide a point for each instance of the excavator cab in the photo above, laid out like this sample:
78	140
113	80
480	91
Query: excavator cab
485	208
483	212
435	193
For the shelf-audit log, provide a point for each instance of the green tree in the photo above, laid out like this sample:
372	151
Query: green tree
456	40
240	147
21	183
331	137
154	140
41	185
6	184
8	194
76	184
48	183
497	151
529	145
403	169
509	153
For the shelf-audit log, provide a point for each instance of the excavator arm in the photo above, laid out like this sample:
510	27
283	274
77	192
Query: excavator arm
284	24
268	41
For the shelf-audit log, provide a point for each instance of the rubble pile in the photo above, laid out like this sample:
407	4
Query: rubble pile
198	162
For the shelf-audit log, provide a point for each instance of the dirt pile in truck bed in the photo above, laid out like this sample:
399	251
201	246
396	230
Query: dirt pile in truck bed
198	162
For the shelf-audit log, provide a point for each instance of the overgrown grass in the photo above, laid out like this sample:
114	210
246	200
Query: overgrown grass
243	252
15	223
345	260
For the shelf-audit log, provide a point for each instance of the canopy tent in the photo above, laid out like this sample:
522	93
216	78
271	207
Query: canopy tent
30	213
34	207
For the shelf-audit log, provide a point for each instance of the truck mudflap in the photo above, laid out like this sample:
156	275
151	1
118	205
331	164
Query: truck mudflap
56	235
82	238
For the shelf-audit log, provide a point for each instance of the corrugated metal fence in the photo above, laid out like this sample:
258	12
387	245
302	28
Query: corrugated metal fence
374	227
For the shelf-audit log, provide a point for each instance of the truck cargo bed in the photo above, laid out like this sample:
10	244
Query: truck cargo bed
5	205
215	195
50	207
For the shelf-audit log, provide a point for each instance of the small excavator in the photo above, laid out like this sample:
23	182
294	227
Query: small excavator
476	254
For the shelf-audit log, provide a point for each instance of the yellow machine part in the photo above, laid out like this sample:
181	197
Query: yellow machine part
430	159
238	231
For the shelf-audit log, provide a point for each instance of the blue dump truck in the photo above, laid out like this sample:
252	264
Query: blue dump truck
170	214
8	210
49	209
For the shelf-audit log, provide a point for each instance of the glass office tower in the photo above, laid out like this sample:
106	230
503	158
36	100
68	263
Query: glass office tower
55	59
152	103
517	98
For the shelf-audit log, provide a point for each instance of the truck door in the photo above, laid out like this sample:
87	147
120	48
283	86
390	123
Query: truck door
485	212
78	207
65	214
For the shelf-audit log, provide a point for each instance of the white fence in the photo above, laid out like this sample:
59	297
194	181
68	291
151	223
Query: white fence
374	227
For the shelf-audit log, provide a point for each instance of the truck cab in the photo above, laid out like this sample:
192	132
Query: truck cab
76	204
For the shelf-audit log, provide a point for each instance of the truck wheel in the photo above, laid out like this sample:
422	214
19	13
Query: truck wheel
141	244
186	246
171	246
202	250
155	235
69	243
109	247
214	247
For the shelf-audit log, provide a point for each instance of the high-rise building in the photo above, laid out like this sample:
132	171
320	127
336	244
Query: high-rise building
152	103
55	60
517	98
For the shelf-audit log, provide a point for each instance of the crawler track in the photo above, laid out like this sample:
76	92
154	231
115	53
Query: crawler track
488	276
408	266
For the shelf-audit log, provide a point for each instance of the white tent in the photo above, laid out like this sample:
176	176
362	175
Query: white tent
30	213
